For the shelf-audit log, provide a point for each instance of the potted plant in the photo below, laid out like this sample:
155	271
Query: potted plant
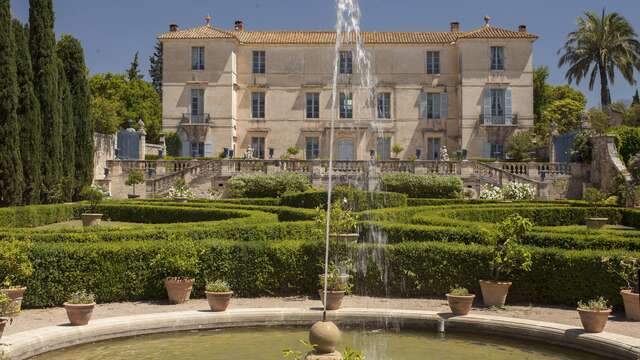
218	295
627	269
180	191
594	314
337	287
15	267
5	312
396	150
135	177
343	224
595	197
80	307
508	255
293	152
177	263
460	300
94	195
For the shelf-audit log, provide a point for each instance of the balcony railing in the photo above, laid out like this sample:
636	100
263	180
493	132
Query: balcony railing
498	120
195	119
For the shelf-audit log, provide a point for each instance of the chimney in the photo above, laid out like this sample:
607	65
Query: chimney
455	26
173	27
238	25
522	28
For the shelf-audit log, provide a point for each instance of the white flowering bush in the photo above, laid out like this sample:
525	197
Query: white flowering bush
180	191
511	191
490	192
518	191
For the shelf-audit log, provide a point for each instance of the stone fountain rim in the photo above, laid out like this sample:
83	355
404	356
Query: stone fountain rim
39	341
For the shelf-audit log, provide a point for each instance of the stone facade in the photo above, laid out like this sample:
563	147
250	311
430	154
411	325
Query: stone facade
213	79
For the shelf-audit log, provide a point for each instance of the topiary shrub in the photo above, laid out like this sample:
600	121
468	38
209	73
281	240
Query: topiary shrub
423	186
358	200
261	185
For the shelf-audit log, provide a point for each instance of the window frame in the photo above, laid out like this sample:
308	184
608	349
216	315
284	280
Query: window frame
498	98
497	58
259	151
346	112
345	63
197	58
258	105
196	149
433	62
312	150
312	107
259	62
383	108
433	104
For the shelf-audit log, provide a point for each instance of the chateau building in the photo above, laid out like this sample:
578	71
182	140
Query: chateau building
230	90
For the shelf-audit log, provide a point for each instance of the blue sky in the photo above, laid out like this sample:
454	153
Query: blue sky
113	30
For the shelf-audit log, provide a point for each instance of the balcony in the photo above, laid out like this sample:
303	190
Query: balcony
498	120
189	119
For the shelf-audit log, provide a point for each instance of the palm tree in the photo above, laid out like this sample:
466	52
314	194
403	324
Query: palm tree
600	46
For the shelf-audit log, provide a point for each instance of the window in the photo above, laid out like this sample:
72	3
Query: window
433	148
497	106
312	148
433	106
197	105
197	58
197	149
383	148
497	58
346	105
433	62
259	62
257	145
313	105
257	105
497	151
384	105
346	62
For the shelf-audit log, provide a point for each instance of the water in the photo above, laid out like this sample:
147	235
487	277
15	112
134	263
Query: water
268	343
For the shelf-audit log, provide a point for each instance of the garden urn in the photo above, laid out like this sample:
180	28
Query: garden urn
178	289
91	219
631	304
594	321
79	314
15	294
494	293
460	304
334	298
218	301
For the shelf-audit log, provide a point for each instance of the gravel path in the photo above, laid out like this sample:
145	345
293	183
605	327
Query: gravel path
31	319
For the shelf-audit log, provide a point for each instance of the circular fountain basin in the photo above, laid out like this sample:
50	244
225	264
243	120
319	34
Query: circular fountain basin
382	333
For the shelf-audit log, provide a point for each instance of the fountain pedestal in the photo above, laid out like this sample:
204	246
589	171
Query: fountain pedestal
324	336
336	355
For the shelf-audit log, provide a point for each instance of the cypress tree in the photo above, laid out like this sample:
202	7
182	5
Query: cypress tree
636	98
134	72
155	70
71	54
42	43
28	118
11	180
67	182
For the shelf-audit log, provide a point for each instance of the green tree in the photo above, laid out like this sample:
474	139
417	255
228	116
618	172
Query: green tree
636	99
545	95
67	181
104	113
29	118
11	180
597	48
540	90
135	100
563	115
155	70
42	43
70	51
600	121
134	72
521	145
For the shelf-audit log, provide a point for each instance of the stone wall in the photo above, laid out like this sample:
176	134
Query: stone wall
606	165
104	150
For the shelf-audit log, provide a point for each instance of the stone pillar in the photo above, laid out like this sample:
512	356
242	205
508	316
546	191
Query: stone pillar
142	142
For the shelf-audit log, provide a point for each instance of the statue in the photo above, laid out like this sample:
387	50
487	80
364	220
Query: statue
249	153
444	153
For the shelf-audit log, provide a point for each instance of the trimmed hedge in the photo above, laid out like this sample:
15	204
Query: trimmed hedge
423	186
358	200
263	185
37	215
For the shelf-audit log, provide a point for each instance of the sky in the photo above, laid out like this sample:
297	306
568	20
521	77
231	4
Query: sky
111	31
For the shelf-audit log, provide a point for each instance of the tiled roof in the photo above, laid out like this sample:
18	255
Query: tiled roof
329	37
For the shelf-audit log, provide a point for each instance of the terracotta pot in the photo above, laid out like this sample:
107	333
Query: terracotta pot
218	301
631	304
133	196
91	219
16	295
178	289
494	293
596	223
79	314
334	298
3	323
460	304
594	321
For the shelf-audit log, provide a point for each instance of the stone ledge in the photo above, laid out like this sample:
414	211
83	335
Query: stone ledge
34	342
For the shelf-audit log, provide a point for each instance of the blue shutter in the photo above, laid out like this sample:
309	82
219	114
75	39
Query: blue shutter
444	106
486	152
487	106
423	105
508	109
208	150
